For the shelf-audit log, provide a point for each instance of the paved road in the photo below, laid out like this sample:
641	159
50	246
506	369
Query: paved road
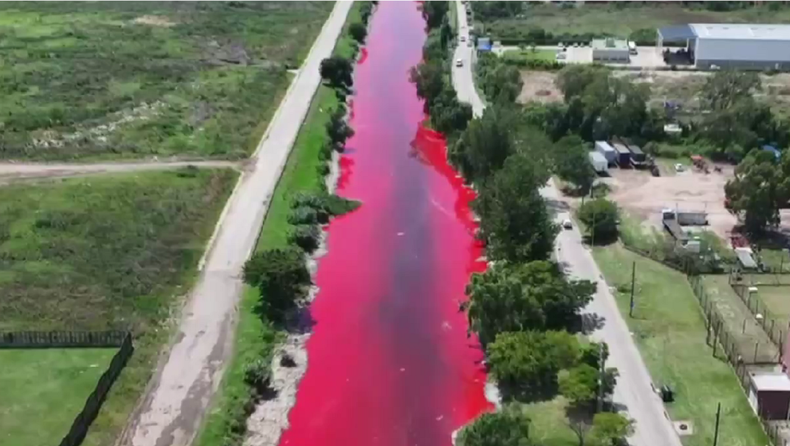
463	81
633	392
180	392
13	171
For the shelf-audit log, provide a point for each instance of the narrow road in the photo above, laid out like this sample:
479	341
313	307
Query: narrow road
634	392
463	80
181	389
14	171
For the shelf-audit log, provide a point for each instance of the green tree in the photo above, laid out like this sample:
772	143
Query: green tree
760	187
486	143
448	115
337	71
600	216
358	31
725	88
428	77
434	13
282	277
525	363
579	384
515	221
518	297
574	79
502	83
507	427
611	429
338	129
572	163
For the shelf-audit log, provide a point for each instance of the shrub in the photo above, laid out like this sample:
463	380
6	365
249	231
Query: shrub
282	277
305	237
600	216
508	427
358	32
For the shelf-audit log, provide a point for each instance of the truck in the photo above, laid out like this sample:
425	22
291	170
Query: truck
607	151
623	155
599	162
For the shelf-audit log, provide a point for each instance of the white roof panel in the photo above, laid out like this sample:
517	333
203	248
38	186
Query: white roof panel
771	382
742	31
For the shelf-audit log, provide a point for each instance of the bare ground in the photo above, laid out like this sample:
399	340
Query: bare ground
13	172
539	86
644	196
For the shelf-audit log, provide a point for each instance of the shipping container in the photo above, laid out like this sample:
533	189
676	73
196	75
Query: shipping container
599	162
607	151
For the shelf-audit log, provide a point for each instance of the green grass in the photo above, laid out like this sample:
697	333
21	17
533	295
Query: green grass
93	81
777	299
619	20
43	390
110	251
254	339
776	259
528	54
670	333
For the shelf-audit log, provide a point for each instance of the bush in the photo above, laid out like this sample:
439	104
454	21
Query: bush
282	277
358	32
508	427
304	215
332	205
306	237
600	216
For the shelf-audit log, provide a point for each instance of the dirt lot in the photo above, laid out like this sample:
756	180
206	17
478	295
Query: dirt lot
644	196
539	86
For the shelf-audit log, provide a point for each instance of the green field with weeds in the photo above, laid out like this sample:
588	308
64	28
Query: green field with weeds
107	252
669	330
619	19
102	80
44	389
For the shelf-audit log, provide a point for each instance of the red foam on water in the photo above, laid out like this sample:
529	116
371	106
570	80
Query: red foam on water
389	360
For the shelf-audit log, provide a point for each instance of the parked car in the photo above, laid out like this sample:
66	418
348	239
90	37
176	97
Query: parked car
459	62
567	224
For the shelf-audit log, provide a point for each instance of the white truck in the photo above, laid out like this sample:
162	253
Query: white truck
599	162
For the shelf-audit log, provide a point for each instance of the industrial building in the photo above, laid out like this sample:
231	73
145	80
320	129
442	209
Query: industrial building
610	50
726	45
769	395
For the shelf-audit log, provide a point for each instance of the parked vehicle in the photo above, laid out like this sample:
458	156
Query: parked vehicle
459	62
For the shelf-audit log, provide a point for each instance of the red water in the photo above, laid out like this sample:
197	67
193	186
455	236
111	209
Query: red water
389	360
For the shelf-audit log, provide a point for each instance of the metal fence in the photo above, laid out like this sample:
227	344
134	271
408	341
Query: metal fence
737	349
92	405
62	339
772	325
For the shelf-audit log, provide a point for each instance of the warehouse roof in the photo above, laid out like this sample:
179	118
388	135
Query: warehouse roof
609	44
676	33
741	31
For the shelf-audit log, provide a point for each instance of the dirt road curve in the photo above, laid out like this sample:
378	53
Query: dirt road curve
15	171
173	408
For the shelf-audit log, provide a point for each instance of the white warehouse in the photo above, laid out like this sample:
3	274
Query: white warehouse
727	45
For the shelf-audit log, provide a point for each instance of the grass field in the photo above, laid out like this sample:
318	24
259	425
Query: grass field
255	339
669	330
43	390
111	251
777	299
739	321
618	19
129	80
550	423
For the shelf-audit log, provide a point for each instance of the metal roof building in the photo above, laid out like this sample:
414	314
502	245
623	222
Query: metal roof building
732	45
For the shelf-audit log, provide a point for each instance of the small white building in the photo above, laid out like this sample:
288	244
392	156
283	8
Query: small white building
610	50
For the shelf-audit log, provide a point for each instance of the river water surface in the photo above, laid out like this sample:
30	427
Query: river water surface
389	361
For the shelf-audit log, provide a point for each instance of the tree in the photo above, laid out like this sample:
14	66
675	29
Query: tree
338	129
611	429
428	77
759	189
525	363
486	143
507	427
600	215
726	87
337	71
573	79
515	221
579	384
282	277
434	13
502	83
518	297
572	163
358	31
447	114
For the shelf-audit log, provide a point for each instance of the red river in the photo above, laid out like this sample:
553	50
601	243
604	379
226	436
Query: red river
389	360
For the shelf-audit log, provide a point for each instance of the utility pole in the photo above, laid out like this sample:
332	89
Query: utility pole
633	280
716	432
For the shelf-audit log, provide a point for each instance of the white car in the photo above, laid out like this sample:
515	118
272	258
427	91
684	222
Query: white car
459	62
463	38
679	167
567	224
